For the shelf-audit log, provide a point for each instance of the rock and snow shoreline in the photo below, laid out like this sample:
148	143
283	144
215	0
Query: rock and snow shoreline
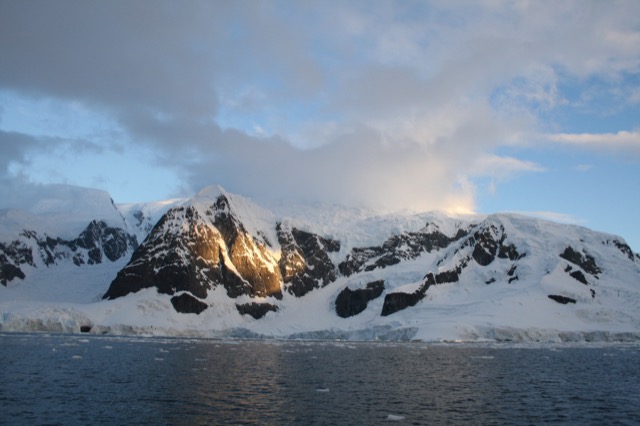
70	322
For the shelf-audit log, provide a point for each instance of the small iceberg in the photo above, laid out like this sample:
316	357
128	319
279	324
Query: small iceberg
395	417
322	390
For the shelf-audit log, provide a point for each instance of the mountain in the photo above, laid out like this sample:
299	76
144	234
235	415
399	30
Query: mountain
66	225
219	265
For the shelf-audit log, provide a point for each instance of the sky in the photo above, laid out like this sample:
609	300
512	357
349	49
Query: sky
462	106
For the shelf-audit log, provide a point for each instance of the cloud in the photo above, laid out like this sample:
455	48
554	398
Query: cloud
358	167
502	167
554	216
399	104
14	149
583	167
623	141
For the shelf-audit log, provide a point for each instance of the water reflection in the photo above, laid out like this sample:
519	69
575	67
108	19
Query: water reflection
241	381
62	379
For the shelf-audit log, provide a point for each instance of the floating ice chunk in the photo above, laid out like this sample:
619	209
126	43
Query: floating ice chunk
322	390
158	359
83	340
76	357
395	417
108	347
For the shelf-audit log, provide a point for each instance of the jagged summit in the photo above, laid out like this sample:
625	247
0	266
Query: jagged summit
220	264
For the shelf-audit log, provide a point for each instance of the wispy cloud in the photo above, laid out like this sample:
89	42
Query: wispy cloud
504	167
622	140
584	167
554	216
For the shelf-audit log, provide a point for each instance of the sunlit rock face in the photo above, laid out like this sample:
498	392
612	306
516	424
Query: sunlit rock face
191	250
251	258
182	253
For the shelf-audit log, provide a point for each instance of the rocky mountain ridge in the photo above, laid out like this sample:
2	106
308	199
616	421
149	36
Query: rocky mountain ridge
97	243
220	262
196	247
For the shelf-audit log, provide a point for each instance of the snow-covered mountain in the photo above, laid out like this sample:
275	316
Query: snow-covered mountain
219	265
66	225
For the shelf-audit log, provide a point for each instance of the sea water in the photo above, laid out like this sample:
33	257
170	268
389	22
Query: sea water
80	379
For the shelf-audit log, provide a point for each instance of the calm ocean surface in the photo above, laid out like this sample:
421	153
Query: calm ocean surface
78	379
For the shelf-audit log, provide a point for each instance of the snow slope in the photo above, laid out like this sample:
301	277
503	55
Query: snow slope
61	210
505	265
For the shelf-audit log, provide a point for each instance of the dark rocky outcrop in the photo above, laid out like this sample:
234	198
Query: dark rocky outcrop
256	310
585	261
143	223
405	246
95	243
489	243
12	256
447	277
99	238
352	302
485	245
8	272
561	299
578	275
623	247
394	302
305	264
509	251
185	303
